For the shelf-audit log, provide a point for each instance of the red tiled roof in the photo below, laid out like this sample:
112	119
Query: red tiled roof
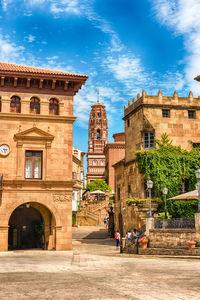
8	67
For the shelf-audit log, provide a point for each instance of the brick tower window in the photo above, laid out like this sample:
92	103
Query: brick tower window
98	134
15	104
35	105
33	165
53	107
94	162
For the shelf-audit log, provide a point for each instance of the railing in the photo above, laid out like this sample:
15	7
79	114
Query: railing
174	223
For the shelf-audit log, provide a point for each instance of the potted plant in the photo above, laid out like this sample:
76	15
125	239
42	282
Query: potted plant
143	241
191	244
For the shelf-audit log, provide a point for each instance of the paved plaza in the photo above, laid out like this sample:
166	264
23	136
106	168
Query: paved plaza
96	270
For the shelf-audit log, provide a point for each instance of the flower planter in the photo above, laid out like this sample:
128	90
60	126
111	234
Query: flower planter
144	244
191	244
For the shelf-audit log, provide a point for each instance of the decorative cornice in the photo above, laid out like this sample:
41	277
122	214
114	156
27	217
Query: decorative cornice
37	183
52	118
161	106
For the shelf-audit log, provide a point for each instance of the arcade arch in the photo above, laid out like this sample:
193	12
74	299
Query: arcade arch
31	226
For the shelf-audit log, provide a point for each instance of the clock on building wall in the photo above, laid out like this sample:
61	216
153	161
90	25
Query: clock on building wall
4	149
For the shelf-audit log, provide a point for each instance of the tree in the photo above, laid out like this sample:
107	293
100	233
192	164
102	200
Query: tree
99	184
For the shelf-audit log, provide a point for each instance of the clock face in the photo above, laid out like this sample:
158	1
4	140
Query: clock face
4	149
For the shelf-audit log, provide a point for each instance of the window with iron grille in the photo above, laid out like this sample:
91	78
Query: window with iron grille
196	145
165	113
149	140
15	104
35	105
53	107
33	165
191	114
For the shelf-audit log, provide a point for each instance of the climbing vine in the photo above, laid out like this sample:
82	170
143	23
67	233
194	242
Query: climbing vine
169	166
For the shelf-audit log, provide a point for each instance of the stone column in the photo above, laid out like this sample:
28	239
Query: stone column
4	238
149	225
25	106
5	105
19	160
197	222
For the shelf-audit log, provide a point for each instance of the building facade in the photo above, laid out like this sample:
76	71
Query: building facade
113	153
36	132
146	119
98	138
79	184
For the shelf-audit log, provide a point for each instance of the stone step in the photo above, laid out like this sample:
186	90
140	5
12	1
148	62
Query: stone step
89	232
170	252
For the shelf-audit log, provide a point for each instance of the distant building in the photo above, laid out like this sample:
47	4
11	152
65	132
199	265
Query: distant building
98	138
78	177
114	152
36	134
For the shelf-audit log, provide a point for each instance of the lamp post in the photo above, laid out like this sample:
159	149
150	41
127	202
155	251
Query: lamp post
165	191
150	186
197	173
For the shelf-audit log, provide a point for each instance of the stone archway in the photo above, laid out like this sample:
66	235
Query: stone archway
31	226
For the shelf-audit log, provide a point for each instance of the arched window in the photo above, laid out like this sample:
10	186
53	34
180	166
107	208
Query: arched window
15	104
94	162
35	105
53	106
102	162
98	134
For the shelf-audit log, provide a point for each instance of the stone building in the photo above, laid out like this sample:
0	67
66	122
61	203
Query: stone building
114	152
36	129
146	119
78	177
98	138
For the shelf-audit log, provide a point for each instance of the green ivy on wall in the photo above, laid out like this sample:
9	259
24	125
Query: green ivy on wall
168	165
182	208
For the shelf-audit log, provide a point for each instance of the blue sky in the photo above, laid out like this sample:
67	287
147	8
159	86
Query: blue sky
123	45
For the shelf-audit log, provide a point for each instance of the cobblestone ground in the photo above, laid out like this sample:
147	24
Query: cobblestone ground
96	270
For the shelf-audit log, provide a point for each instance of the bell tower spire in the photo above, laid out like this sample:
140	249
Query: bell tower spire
98	138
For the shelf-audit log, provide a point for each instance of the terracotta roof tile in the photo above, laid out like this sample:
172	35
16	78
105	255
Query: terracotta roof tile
8	67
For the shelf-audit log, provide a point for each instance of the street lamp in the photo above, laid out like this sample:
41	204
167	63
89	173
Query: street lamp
197	173
150	186
165	191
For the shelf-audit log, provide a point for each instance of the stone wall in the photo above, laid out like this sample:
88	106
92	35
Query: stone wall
171	238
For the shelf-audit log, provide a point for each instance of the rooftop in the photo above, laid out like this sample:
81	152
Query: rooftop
8	68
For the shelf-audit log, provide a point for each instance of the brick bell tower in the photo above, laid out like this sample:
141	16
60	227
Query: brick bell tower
98	138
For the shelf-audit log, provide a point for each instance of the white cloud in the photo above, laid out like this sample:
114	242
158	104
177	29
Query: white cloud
9	51
5	3
65	6
182	17
31	38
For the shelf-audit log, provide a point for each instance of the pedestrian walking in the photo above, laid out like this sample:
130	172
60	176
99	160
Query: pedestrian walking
105	221
117	237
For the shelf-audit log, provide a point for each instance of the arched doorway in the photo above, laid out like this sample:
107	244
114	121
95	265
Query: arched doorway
30	227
